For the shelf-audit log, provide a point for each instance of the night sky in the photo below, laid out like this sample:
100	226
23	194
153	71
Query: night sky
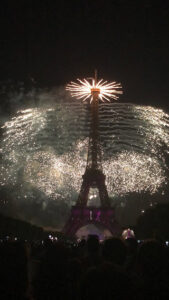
54	42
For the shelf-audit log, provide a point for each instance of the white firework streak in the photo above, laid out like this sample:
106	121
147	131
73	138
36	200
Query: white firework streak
83	89
59	175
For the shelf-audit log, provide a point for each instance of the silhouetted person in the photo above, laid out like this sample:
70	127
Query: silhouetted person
106	282
74	277
51	281
152	263
13	271
131	245
93	256
114	250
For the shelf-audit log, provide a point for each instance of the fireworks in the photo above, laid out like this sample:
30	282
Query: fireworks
83	89
44	155
44	143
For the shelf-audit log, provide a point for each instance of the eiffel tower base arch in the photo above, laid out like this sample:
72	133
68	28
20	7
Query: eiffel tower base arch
81	216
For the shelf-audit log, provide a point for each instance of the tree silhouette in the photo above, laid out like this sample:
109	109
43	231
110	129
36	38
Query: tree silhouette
154	223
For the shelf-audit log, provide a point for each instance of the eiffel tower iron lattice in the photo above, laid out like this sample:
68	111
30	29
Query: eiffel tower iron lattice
81	214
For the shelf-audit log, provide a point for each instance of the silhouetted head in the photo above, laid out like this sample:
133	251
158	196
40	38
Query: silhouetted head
131	244
152	257
114	250
92	243
106	282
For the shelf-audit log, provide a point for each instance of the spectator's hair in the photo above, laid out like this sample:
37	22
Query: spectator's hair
114	250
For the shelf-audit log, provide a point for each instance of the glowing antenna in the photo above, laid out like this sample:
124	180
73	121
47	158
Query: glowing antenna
95	76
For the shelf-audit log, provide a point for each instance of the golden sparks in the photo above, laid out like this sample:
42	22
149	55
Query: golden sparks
83	89
37	158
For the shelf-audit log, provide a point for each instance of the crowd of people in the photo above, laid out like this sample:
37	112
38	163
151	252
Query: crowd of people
114	269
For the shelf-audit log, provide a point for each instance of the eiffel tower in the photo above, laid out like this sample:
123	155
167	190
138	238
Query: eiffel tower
81	214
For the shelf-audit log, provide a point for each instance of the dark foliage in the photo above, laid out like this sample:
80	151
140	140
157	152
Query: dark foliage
154	223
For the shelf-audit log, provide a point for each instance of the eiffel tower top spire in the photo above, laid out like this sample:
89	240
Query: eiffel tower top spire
94	150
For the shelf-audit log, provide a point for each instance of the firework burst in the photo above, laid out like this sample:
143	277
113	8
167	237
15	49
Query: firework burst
84	90
43	157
